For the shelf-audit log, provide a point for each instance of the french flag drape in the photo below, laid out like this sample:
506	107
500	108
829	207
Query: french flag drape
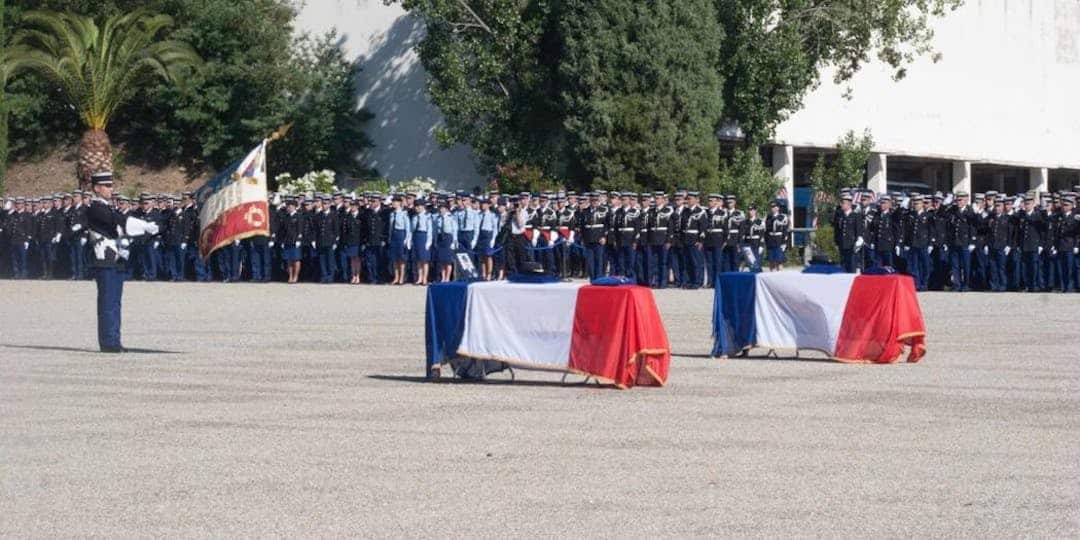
862	319
611	333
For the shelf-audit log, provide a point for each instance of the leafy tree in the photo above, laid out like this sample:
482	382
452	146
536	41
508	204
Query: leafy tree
848	169
747	177
98	68
640	90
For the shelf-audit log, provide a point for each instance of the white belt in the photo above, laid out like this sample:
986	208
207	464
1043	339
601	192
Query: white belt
627	229
691	231
593	226
659	228
716	230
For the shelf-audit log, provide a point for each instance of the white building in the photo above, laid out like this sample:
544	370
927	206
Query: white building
999	111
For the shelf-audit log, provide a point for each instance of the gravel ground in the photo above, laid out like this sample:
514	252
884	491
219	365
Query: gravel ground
272	410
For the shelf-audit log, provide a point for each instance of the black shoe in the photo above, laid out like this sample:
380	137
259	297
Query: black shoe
113	350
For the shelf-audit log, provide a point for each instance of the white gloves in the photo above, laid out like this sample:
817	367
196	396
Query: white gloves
1019	202
76	227
986	250
859	242
297	244
157	244
948	200
313	245
183	245
897	251
1076	251
945	249
271	243
971	248
334	247
1040	250
236	243
929	250
82	242
125	243
408	245
873	247
152	228
905	202
1053	251
56	239
1007	250
26	245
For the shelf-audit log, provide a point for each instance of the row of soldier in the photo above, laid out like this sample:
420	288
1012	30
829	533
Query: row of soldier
989	242
402	237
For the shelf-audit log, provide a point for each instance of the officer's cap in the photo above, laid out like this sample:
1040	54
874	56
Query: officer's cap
885	198
103	178
774	204
1028	197
715	196
846	197
545	195
960	194
485	201
991	193
290	201
339	194
145	197
66	195
693	194
730	197
980	197
20	199
1068	199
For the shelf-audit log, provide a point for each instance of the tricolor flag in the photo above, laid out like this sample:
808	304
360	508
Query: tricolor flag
851	318
233	205
611	333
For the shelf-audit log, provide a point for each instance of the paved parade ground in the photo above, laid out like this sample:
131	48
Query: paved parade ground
273	410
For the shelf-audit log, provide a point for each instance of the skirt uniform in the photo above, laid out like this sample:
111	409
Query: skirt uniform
420	251
398	253
291	253
483	244
444	252
776	255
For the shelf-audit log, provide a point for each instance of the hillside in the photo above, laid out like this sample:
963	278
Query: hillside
56	173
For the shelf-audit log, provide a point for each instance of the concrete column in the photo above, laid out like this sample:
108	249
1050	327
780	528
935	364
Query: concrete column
961	176
1039	180
876	173
783	167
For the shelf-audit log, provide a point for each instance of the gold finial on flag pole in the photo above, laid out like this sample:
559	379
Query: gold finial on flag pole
280	132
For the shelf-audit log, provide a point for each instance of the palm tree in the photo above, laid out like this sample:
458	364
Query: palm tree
99	68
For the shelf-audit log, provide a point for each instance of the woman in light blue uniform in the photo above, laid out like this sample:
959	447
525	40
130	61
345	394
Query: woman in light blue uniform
421	242
485	243
400	239
446	227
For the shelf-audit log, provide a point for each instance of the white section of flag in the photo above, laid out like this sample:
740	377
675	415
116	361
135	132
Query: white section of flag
801	311
240	191
520	322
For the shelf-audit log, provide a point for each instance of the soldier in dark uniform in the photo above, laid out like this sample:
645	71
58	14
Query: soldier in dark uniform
175	237
675	252
694	222
1000	234
20	233
49	232
752	239
1047	265
777	236
627	227
733	225
980	260
960	233
659	227
1030	222
106	228
566	226
376	221
326	238
547	223
594	231
1067	231
291	238
76	231
715	236
848	227
917	242
884	232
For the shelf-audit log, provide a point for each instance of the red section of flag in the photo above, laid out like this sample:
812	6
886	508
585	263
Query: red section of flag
882	316
239	222
619	336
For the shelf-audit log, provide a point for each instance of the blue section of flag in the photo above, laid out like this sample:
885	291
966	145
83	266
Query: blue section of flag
218	182
445	320
734	326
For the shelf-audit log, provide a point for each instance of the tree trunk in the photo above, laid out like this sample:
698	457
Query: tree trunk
95	155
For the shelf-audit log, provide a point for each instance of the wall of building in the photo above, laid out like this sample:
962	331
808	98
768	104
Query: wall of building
392	86
1005	91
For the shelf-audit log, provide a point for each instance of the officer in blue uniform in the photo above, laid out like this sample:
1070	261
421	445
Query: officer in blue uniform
108	229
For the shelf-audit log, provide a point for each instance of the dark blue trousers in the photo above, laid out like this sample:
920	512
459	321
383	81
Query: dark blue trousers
1029	262
259	260
730	259
77	255
714	262
999	278
373	263
1048	269
110	290
1066	262
202	269
695	266
18	260
847	260
595	256
675	262
918	263
343	264
174	262
960	266
627	262
327	265
658	266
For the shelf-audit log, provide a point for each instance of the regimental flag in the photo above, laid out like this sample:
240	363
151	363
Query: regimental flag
233	205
